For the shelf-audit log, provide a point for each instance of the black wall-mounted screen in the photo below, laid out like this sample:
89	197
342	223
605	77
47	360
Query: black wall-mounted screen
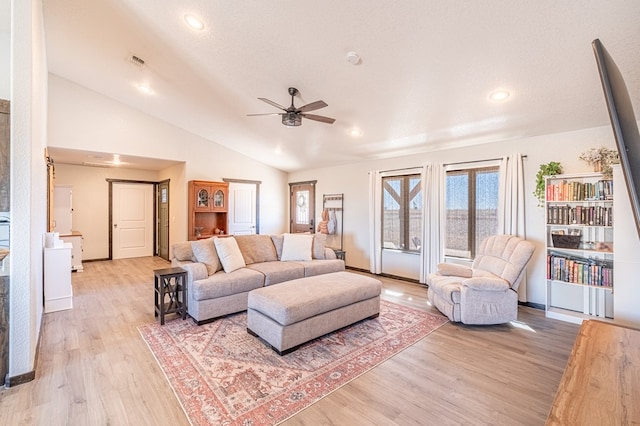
623	122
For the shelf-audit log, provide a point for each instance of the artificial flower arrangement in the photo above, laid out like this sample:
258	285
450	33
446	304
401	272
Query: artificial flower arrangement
601	159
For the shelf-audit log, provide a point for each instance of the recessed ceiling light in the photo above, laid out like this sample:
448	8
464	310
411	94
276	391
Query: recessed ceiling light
144	89
194	22
355	132
499	95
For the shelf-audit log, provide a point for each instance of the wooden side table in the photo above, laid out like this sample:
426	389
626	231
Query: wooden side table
170	292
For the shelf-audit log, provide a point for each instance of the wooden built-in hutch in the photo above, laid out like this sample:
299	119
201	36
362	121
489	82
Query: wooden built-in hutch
208	206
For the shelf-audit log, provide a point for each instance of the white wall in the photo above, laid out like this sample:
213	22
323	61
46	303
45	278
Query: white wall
28	183
5	65
352	180
83	119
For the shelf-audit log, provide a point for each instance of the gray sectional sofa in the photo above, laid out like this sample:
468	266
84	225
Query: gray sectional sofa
222	271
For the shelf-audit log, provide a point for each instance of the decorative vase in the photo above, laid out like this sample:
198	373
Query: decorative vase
597	167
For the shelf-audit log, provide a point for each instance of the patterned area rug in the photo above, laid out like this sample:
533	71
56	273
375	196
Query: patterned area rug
224	376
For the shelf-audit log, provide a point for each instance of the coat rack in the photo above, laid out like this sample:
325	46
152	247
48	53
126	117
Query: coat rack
333	204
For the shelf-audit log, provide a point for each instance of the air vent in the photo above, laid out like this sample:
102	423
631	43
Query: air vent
137	61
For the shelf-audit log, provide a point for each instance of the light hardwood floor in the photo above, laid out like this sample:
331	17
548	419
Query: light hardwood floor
95	369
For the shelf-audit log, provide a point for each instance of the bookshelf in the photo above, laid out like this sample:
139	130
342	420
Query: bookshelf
579	247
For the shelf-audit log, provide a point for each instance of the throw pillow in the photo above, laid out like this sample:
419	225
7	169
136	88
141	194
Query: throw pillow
182	251
319	242
256	248
204	251
277	242
296	247
229	254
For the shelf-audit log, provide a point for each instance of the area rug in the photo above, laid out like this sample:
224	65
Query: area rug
224	376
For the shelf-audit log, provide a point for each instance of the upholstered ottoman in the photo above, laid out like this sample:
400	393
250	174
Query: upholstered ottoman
289	314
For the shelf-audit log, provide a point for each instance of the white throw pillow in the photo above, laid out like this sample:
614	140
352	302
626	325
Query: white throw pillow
205	252
229	254
296	247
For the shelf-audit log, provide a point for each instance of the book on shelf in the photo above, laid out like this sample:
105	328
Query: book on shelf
579	215
580	191
577	270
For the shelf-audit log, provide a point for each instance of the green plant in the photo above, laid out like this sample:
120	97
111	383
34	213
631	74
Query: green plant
550	169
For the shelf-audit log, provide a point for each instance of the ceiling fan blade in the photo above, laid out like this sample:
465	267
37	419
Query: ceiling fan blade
266	113
313	106
273	103
319	118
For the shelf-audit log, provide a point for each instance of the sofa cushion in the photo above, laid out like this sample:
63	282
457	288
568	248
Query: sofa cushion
223	284
446	287
277	243
182	251
319	267
296	247
256	248
204	251
229	254
294	301
277	272
319	242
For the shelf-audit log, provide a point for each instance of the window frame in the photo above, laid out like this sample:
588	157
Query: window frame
471	170
405	207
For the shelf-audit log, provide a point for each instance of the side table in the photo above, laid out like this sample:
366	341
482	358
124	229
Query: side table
170	292
340	254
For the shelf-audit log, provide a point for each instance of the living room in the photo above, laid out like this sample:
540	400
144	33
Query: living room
62	114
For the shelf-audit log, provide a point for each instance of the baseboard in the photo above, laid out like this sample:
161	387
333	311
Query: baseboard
10	381
532	305
393	277
20	379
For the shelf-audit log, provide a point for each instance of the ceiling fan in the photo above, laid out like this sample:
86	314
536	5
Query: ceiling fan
292	116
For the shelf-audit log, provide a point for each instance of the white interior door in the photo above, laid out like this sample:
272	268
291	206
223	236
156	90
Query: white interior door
62	209
132	220
242	208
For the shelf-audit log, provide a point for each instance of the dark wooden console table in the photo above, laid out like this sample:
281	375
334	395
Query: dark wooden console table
601	383
170	292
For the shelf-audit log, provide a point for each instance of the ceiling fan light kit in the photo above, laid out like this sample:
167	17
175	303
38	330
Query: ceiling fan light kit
292	116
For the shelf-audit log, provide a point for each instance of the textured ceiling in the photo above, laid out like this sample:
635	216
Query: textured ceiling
427	69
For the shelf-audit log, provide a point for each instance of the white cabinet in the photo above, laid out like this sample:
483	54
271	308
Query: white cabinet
580	236
58	294
76	253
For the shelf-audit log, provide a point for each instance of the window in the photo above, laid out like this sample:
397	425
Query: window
402	212
471	209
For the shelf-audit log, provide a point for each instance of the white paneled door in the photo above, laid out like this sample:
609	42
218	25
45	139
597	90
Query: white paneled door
132	220
242	208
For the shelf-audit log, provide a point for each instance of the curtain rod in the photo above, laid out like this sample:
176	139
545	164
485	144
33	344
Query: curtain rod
402	169
476	161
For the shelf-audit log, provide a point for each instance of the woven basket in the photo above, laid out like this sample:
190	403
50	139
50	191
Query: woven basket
566	241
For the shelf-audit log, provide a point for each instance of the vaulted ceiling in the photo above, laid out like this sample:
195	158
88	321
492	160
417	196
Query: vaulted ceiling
423	81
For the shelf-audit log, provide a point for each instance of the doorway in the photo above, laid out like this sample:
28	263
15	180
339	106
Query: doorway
302	206
131	220
244	208
162	215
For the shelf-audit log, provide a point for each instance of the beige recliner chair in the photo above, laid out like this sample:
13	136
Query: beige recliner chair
486	292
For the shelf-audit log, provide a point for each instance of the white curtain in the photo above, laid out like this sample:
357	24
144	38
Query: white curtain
375	222
432	251
511	218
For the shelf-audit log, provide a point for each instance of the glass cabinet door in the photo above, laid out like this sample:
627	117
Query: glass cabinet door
218	199
203	199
